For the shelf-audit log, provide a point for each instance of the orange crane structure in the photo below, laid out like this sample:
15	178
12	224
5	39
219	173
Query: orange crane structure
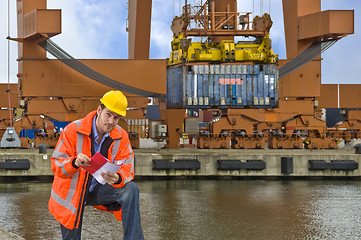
66	89
49	89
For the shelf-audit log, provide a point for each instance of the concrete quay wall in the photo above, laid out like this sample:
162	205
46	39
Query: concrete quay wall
208	162
40	164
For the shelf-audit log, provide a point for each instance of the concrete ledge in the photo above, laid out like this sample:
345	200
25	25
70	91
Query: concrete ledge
39	163
209	161
205	163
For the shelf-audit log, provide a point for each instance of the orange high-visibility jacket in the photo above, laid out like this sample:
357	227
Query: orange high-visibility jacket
69	186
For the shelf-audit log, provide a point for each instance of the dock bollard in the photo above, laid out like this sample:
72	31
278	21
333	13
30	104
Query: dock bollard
358	148
42	148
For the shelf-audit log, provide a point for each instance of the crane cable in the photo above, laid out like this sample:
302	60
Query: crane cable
75	64
8	90
306	56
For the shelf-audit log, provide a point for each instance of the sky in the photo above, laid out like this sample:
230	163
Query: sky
93	29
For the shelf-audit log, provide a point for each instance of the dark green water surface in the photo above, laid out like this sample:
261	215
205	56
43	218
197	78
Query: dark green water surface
204	209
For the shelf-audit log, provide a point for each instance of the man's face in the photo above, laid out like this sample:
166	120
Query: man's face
106	120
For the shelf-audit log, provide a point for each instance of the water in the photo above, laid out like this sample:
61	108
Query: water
204	209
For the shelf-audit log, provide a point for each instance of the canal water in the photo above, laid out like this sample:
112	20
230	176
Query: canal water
204	209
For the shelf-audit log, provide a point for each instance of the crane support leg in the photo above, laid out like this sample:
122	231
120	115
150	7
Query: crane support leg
175	119
139	17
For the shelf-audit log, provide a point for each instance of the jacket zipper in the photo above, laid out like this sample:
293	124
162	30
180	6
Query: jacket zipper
81	200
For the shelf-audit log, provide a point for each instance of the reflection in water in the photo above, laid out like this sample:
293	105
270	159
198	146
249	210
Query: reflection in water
338	212
198	209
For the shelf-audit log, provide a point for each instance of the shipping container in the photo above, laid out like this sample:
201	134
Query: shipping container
222	86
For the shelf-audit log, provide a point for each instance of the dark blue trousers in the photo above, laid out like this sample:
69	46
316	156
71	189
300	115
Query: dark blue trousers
127	197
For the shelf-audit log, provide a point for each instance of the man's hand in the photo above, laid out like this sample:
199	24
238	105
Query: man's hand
82	160
110	177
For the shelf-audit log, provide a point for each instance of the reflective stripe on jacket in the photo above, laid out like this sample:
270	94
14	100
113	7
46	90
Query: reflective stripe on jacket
70	184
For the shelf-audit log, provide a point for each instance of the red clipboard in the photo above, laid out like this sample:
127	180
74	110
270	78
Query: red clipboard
97	161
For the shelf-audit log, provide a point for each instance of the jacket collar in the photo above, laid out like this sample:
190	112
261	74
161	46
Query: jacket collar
85	126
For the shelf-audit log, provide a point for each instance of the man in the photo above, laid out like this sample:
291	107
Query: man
73	187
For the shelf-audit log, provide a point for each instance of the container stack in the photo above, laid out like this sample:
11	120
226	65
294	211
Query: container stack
217	86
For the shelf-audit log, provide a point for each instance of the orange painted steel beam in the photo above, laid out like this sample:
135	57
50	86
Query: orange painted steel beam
292	10
139	22
224	6
354	114
14	95
350	95
135	114
42	21
306	81
56	90
347	94
28	48
52	78
329	96
304	24
235	122
174	121
58	109
4	103
331	24
286	109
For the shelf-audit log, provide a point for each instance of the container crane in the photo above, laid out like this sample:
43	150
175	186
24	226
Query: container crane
48	87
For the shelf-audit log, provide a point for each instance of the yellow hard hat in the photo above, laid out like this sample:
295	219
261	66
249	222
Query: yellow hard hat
115	101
